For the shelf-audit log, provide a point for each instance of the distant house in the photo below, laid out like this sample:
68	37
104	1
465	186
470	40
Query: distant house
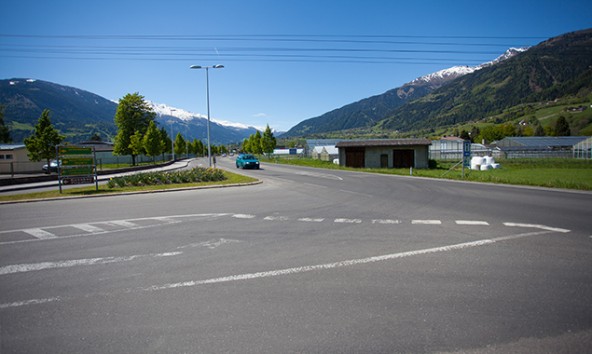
325	153
14	159
538	146
383	153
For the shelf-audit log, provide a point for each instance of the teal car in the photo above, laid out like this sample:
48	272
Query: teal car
247	161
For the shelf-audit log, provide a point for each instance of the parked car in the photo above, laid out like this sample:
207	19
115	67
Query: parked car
53	167
247	161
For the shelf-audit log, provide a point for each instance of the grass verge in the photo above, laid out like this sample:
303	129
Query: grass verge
551	173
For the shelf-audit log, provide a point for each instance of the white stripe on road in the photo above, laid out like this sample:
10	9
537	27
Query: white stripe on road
348	221
385	221
40	234
472	222
21	268
312	219
426	222
123	223
88	228
536	226
243	216
353	262
276	218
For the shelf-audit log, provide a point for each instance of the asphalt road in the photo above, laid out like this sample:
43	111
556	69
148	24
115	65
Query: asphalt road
309	261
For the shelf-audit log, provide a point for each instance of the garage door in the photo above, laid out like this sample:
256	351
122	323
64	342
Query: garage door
403	158
354	157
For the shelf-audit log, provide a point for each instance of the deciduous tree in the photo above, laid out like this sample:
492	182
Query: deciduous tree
133	115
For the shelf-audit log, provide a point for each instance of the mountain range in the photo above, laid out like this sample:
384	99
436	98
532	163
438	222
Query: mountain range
80	115
558	68
369	111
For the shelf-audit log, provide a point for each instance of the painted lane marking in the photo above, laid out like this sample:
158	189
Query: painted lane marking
40	234
124	223
347	263
88	228
386	221
537	226
211	244
471	222
312	219
296	270
30	302
348	221
243	216
21	268
276	218
426	222
320	175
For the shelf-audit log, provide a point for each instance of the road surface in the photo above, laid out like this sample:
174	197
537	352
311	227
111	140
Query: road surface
309	261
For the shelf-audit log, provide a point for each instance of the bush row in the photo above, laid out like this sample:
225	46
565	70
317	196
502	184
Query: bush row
198	174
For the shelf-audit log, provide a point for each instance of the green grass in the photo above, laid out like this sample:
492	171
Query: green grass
90	190
552	173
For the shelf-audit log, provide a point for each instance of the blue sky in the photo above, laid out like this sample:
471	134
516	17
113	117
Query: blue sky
285	61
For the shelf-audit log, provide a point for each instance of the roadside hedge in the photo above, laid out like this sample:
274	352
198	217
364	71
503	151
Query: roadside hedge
196	175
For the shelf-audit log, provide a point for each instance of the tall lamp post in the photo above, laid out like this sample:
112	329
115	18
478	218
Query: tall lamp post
217	66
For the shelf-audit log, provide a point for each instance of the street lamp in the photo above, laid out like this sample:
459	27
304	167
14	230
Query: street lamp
217	66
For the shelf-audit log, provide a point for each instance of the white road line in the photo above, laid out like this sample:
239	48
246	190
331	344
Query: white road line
88	228
385	221
348	221
21	268
30	302
347	263
276	218
312	219
471	222
243	216
123	223
537	226
40	234
426	222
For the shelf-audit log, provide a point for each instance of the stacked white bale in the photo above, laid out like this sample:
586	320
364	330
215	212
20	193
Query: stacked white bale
476	162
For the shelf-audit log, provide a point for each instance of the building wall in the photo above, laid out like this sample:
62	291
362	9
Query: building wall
372	155
17	161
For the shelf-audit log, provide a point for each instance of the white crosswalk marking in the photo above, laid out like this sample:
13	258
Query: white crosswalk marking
40	234
88	228
123	223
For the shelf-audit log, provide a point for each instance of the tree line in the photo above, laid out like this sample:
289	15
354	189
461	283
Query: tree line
137	134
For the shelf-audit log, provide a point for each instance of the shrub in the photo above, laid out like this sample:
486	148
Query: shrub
196	175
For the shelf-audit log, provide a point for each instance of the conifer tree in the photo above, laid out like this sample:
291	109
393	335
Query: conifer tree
153	144
42	144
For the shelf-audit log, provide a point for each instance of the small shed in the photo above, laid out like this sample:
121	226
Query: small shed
384	153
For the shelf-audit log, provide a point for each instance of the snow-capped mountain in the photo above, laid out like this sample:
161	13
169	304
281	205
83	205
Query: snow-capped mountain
442	76
162	110
368	111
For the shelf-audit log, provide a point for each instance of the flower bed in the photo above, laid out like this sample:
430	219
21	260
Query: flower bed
196	175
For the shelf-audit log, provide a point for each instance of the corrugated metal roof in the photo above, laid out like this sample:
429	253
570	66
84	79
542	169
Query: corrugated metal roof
383	142
537	141
11	146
